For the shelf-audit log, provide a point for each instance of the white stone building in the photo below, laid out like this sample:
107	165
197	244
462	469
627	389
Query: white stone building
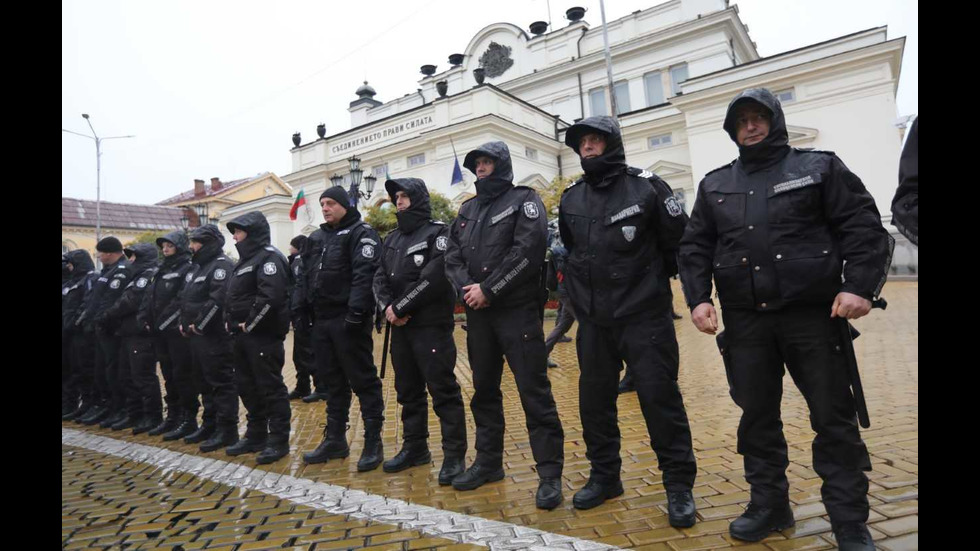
675	68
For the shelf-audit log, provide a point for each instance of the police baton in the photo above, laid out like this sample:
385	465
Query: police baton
384	349
847	334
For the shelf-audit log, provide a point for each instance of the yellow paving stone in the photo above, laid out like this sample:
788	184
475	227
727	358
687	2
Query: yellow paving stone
652	536
700	542
721	512
343	544
425	543
898	508
728	499
385	547
264	544
801	544
372	530
331	535
654	547
707	527
897	494
899	526
909	542
394	536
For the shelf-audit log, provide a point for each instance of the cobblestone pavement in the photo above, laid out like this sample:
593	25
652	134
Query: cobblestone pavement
117	493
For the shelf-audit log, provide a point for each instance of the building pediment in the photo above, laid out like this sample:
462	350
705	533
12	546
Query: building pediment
799	135
536	181
667	168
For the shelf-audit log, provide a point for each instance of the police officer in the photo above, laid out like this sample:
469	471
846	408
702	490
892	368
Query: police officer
201	315
112	280
140	384
905	205
621	226
257	315
162	315
302	330
496	252
343	304
412	289
80	350
776	229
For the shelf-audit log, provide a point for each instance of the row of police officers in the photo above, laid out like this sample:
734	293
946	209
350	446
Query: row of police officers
790	238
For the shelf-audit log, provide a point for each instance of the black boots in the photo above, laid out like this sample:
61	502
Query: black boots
222	437
200	435
169	424
680	509
853	536
595	493
299	392
549	493
314	397
273	452
247	445
452	466
409	456
96	415
757	522
124	422
373	453
146	423
626	385
333	446
187	425
477	475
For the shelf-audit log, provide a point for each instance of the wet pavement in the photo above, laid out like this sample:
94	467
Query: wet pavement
124	491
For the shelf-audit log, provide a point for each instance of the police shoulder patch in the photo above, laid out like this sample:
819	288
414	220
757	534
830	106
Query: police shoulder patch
531	210
269	268
189	276
114	284
367	251
141	282
442	242
220	274
673	207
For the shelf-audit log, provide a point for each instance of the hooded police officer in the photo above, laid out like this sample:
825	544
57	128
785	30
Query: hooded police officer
621	226
905	205
343	305
137	363
81	353
777	229
201	313
302	326
494	260
257	316
412	289
162	316
112	280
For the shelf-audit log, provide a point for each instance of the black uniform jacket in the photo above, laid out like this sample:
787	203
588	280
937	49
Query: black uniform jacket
412	277
499	237
105	291
343	265
775	228
122	314
162	311
257	293
905	205
73	291
203	297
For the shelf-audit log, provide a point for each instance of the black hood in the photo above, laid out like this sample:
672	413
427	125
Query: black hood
502	177
211	240
179	240
420	211
257	228
613	159
146	256
774	146
81	263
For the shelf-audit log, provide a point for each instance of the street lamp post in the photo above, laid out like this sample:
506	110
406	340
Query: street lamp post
98	171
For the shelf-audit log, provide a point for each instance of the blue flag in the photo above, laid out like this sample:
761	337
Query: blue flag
457	173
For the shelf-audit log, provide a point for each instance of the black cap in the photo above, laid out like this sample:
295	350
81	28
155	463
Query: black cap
299	242
337	193
109	245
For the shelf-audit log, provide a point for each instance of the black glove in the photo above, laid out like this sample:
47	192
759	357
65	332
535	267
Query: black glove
354	321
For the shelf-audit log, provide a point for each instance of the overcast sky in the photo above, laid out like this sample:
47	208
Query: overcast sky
216	88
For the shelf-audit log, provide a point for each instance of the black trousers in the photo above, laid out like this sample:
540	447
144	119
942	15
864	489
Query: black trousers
179	349
106	368
303	357
83	356
345	360
172	397
69	383
125	392
214	359
515	333
258	361
563	322
649	346
426	357
807	341
140	352
197	384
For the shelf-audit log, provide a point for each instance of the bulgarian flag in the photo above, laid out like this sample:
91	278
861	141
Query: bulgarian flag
300	201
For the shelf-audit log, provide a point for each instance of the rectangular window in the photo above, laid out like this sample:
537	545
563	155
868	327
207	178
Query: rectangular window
622	91
662	140
597	102
530	153
416	160
654	88
678	75
380	171
785	96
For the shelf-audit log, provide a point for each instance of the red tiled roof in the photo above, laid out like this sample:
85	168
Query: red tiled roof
81	212
189	195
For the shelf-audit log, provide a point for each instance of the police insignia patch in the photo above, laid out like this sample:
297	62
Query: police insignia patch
418	259
269	268
629	232
673	207
114	284
188	277
219	274
442	242
367	251
531	210
141	282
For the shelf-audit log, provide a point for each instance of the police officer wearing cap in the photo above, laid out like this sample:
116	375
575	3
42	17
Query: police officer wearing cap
302	326
776	229
621	226
343	305
81	351
201	315
418	301
495	256
107	288
257	316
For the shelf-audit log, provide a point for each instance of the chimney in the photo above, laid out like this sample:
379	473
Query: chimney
215	185
198	188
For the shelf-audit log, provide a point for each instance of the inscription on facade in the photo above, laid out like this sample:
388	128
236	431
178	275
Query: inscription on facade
383	133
